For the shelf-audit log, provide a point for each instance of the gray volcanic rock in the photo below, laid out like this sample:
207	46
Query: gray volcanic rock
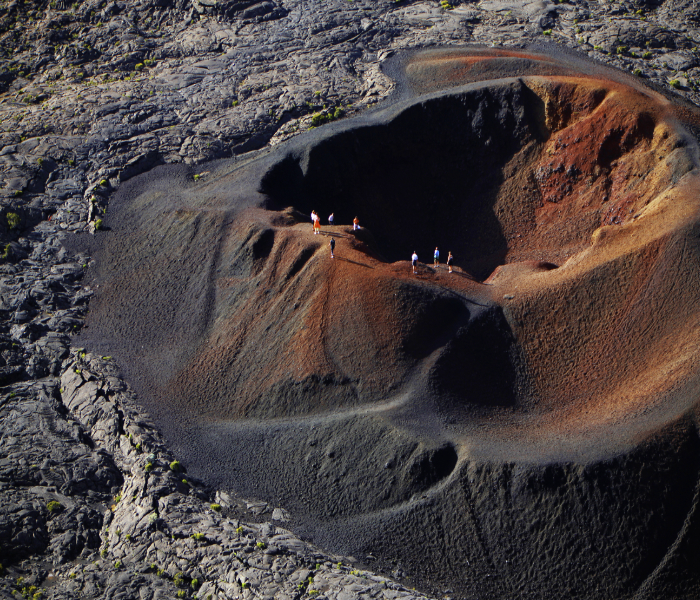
97	92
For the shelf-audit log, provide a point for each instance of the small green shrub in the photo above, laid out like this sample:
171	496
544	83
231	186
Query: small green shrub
175	466
98	224
149	467
234	103
194	583
118	564
647	54
179	579
198	536
260	545
138	67
674	83
216	507
547	32
637	72
13	219
53	506
181	594
239	529
72	576
103	182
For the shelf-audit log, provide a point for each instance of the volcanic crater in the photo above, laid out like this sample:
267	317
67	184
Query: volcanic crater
525	422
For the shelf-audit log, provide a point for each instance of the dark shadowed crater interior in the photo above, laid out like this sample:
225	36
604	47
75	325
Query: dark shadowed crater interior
431	175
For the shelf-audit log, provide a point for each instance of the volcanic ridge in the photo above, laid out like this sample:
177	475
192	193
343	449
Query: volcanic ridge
524	423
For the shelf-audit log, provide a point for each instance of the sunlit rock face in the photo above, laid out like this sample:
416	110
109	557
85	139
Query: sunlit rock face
525	422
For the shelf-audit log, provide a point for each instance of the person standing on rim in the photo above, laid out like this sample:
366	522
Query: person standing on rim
414	261
436	257
314	218
332	245
449	262
331	220
355	223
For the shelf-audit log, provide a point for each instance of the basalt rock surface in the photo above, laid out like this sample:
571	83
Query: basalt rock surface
95	93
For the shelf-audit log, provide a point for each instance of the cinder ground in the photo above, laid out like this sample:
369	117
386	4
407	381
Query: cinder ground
523	424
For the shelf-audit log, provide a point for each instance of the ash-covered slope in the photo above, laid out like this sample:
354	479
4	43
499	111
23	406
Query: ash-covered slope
541	396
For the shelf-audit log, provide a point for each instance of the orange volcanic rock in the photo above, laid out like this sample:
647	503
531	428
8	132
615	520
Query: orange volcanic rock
565	339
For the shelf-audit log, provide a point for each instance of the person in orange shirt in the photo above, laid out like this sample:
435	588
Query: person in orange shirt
355	223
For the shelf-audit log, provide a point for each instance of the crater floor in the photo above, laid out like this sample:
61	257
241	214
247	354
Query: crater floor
525	423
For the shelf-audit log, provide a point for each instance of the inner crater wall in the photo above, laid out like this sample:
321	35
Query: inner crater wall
525	170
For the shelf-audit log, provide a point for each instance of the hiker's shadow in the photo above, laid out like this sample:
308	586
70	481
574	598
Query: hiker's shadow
335	235
437	270
354	262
